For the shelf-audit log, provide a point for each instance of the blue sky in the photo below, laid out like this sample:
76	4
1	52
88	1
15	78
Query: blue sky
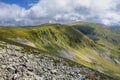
36	12
22	3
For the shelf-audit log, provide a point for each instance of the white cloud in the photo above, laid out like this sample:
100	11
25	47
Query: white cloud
63	11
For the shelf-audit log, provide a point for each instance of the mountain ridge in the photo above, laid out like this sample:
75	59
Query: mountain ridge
71	43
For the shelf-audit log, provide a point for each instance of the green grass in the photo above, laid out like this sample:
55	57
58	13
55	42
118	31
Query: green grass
53	38
113	41
115	29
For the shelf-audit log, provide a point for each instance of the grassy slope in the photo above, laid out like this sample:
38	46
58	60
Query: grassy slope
101	31
54	38
115	29
29	50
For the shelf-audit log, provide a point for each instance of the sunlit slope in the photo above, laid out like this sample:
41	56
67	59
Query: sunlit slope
50	66
101	36
67	42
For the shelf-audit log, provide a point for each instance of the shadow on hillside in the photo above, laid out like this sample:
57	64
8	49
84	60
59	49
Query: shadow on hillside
87	30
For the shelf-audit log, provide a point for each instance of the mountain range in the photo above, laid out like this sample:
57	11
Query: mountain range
83	43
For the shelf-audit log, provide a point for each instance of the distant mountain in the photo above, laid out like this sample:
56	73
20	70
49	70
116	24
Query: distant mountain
115	29
86	43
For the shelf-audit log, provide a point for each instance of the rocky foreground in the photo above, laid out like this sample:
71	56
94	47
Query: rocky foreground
23	63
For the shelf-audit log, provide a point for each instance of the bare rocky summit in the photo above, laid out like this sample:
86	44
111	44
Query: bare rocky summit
22	63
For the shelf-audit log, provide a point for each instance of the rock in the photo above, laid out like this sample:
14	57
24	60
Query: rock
53	71
3	66
16	64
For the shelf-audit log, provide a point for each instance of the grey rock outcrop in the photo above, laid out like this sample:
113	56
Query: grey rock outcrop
20	63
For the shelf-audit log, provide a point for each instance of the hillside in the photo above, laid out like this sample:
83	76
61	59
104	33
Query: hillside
115	29
100	35
70	42
19	62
